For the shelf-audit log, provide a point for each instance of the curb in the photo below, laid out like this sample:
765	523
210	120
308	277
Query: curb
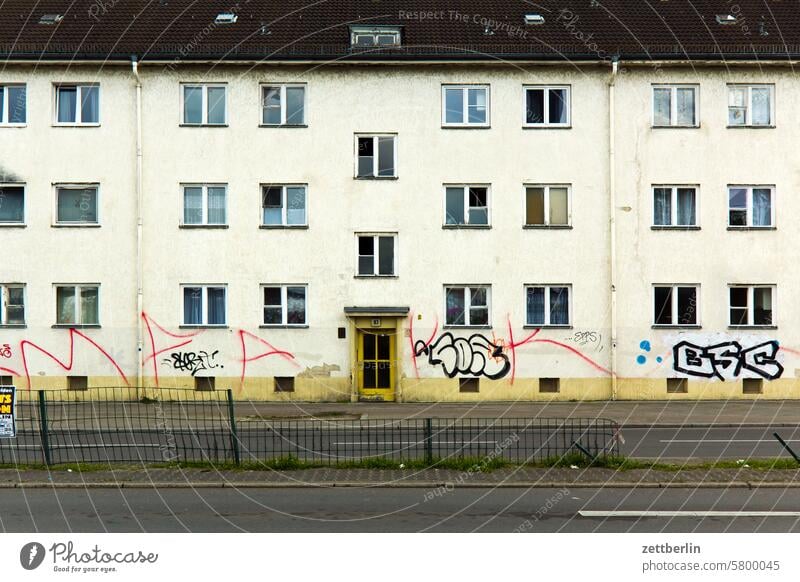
713	425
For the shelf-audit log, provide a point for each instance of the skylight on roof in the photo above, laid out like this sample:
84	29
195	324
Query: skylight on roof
534	19
726	19
226	18
367	36
50	18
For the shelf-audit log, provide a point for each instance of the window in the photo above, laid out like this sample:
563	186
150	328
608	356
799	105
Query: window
12	204
76	204
283	104
751	105
204	305
547	305
283	205
675	206
469	385
371	36
677	386
751	206
752	386
12	304
376	156
77	305
6	381
204	104
205	383
204	204
751	305
13	104
77	104
77	383
284	304
675	305
549	385
467	306
284	384
675	106
466	205
376	255
466	106
547	205
547	107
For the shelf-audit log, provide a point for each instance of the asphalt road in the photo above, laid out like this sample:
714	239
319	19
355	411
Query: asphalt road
399	510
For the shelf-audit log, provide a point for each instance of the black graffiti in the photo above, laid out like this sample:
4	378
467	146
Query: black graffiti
192	362
475	355
727	358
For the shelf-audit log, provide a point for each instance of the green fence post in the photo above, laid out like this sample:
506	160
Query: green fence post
43	428
428	441
234	434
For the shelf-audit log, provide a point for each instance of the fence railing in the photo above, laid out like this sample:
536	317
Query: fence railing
59	427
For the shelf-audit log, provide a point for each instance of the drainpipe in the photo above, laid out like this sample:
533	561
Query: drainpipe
612	221
139	254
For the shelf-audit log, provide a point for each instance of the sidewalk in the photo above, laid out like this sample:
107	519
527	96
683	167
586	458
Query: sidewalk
627	413
432	479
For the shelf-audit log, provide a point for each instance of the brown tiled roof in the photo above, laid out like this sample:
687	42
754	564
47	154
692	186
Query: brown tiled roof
318	30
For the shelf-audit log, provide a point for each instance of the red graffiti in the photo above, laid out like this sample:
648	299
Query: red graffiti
273	351
5	351
67	366
187	337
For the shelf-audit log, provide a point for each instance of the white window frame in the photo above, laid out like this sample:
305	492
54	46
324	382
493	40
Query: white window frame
674	205
749	203
673	104
24	203
76	186
3	318
204	287
674	300
4	122
468	305
547	188
465	105
204	209
203	104
375	136
283	87
284	205
749	104
376	256
751	305
465	191
284	287
375	32
546	123
78	313
547	288
78	100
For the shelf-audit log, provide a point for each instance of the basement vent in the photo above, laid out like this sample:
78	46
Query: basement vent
534	19
50	19
726	19
226	18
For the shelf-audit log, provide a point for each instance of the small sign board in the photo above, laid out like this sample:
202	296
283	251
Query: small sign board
8	401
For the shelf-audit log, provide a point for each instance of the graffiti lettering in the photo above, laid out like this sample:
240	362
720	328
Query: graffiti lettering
192	362
5	351
474	356
727	360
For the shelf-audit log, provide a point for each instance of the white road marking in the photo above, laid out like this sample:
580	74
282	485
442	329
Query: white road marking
726	441
586	513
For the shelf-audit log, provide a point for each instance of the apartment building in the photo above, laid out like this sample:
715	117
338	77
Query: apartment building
485	201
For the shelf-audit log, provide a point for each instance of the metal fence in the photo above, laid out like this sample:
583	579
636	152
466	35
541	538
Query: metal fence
116	426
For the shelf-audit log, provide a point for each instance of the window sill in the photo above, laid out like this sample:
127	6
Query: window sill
466	226
283	125
528	326
465	126
675	126
264	326
211	226
13	125
13	225
375	178
676	227
202	125
752	327
467	327
547	127
13	325
76	125
375	277
76	326
752	228
750	127
547	227
283	226
183	326
691	326
66	225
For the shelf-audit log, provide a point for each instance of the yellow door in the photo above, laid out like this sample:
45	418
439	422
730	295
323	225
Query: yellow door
376	357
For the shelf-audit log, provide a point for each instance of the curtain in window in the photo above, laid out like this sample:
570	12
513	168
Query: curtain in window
216	205
559	306
386	156
295	97
216	306
77	205
295	205
686	107
2	99
686	207
15	306
16	104
192	205
662	106
534	206
366	154
454	206
558	105
296	305
476	105
192	105
479	306
67	99
386	255
535	306
12	204
737	106
455	306
271	102
192	306
662	206
90	104
89	306
762	207
216	105
534	106
65	305
761	106
272	204
559	206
